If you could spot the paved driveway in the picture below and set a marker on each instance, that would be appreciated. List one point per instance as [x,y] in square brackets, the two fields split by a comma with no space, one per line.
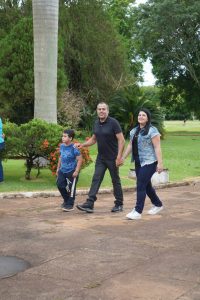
[79,256]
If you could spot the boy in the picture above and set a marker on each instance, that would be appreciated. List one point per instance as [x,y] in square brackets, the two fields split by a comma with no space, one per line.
[69,166]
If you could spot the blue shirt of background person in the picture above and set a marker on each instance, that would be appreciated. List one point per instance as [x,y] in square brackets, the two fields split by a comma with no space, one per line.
[146,150]
[68,154]
[1,132]
[1,147]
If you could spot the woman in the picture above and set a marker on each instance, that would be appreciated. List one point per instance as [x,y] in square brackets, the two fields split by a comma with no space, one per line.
[1,148]
[146,152]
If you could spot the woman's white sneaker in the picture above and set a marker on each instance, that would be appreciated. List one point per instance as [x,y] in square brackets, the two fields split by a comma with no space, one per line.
[155,210]
[133,215]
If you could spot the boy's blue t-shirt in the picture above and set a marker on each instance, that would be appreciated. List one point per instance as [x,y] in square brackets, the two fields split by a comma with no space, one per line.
[68,156]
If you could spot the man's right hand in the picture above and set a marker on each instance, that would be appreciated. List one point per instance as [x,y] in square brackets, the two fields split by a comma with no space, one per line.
[78,145]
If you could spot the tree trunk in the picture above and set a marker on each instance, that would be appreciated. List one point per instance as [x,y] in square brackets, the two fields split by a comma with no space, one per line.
[45,28]
[29,166]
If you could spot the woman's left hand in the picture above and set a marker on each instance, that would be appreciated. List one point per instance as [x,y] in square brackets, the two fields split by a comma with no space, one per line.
[119,162]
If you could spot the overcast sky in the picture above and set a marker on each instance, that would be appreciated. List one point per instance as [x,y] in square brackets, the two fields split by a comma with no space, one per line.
[148,77]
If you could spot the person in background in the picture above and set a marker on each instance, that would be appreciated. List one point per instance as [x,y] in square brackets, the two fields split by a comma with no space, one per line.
[68,168]
[146,152]
[110,141]
[2,145]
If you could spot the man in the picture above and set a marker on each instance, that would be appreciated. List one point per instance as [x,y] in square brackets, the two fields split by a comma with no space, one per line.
[110,141]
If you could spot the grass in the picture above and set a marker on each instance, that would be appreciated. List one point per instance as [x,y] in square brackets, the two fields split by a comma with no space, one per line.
[181,149]
[178,127]
[181,156]
[14,171]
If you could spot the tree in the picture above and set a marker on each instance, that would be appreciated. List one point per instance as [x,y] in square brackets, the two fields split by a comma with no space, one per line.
[122,15]
[95,56]
[10,14]
[16,73]
[151,93]
[174,104]
[167,31]
[45,25]
[125,105]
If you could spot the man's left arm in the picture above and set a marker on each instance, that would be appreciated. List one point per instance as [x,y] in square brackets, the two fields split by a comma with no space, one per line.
[121,144]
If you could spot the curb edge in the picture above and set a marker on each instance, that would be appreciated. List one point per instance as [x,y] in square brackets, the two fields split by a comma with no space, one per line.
[47,194]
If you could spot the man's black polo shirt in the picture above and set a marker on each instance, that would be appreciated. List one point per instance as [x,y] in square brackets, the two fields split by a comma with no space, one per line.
[107,142]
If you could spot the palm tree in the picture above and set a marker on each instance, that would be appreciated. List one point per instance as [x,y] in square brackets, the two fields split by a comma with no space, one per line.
[125,105]
[45,29]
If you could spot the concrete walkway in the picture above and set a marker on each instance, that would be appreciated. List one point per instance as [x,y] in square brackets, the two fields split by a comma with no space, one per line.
[103,256]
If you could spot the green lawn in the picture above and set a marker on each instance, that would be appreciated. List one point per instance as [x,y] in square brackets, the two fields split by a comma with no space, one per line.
[181,155]
[180,127]
[181,149]
[14,177]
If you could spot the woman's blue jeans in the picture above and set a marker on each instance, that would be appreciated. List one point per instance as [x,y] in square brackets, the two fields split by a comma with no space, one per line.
[144,186]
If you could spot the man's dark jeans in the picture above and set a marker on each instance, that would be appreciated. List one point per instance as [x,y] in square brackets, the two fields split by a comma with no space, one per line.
[144,186]
[66,184]
[100,168]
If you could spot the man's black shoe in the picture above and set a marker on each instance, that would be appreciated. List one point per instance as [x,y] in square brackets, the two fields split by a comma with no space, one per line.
[87,206]
[117,208]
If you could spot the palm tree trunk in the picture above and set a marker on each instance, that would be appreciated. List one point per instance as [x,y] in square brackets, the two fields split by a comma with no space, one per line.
[45,28]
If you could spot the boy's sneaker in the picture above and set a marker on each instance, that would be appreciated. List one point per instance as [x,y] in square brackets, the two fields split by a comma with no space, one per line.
[155,210]
[134,215]
[117,208]
[62,205]
[68,208]
[87,206]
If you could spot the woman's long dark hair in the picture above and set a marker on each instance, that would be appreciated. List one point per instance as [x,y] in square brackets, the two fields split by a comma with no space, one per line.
[148,124]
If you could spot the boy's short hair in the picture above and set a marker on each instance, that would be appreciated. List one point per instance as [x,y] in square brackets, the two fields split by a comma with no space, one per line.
[70,133]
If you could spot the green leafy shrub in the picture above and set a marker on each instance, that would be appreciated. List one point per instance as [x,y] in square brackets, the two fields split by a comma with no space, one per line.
[26,140]
[125,105]
[34,140]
